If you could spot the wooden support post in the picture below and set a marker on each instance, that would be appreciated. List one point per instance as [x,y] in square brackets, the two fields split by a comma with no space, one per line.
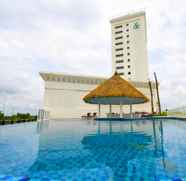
[121,110]
[110,108]
[99,110]
[110,111]
[131,111]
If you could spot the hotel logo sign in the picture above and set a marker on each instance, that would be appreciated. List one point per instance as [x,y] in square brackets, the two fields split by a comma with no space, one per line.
[136,25]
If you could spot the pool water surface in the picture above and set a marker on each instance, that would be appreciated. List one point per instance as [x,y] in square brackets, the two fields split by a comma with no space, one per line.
[79,150]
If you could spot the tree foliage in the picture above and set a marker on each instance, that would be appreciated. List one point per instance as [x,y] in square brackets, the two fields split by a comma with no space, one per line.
[17,117]
[1,115]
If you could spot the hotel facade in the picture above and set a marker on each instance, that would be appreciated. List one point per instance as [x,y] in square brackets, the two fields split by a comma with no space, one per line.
[129,47]
[63,95]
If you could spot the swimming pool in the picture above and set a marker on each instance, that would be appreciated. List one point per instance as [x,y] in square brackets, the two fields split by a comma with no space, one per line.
[76,150]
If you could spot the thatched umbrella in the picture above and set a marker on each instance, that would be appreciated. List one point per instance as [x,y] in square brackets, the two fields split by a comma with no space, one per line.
[115,91]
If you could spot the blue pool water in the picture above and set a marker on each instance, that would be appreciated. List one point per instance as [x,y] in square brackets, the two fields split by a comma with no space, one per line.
[75,150]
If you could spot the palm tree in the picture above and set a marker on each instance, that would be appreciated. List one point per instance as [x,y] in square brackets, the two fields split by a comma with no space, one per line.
[157,91]
[151,94]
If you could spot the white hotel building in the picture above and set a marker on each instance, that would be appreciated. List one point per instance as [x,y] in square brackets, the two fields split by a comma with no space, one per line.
[129,47]
[63,97]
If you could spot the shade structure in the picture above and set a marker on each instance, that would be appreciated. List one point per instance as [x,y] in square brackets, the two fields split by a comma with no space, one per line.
[115,91]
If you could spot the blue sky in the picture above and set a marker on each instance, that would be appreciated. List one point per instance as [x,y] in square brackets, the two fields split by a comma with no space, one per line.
[73,36]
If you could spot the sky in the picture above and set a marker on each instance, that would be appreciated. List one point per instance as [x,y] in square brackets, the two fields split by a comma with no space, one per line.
[74,37]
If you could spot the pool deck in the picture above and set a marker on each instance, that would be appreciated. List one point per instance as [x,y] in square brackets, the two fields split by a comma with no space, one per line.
[142,118]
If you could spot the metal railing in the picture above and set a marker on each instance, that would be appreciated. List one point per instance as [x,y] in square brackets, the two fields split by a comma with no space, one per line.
[180,111]
[43,115]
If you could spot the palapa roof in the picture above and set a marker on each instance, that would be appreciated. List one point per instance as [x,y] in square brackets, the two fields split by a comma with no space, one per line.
[115,91]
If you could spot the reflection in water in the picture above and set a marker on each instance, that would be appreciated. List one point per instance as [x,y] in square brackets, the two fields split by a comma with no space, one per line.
[122,147]
[41,125]
[94,150]
[19,146]
[99,127]
[110,127]
[162,146]
[155,136]
[131,125]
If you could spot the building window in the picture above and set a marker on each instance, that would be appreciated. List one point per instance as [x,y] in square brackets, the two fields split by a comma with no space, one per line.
[119,26]
[119,67]
[127,36]
[121,73]
[118,32]
[128,59]
[128,53]
[127,24]
[119,37]
[128,48]
[119,43]
[119,55]
[129,73]
[128,66]
[127,30]
[119,49]
[128,41]
[119,61]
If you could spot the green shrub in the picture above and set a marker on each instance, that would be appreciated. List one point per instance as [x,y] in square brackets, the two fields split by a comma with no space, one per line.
[1,115]
[162,114]
[16,118]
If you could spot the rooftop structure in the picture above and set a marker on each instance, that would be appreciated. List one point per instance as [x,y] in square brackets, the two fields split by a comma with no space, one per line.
[115,91]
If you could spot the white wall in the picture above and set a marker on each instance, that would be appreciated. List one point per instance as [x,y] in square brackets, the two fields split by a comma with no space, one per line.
[65,100]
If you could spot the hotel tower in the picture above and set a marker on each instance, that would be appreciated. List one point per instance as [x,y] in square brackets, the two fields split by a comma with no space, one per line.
[129,46]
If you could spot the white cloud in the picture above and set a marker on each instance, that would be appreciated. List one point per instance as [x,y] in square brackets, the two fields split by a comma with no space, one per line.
[74,37]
